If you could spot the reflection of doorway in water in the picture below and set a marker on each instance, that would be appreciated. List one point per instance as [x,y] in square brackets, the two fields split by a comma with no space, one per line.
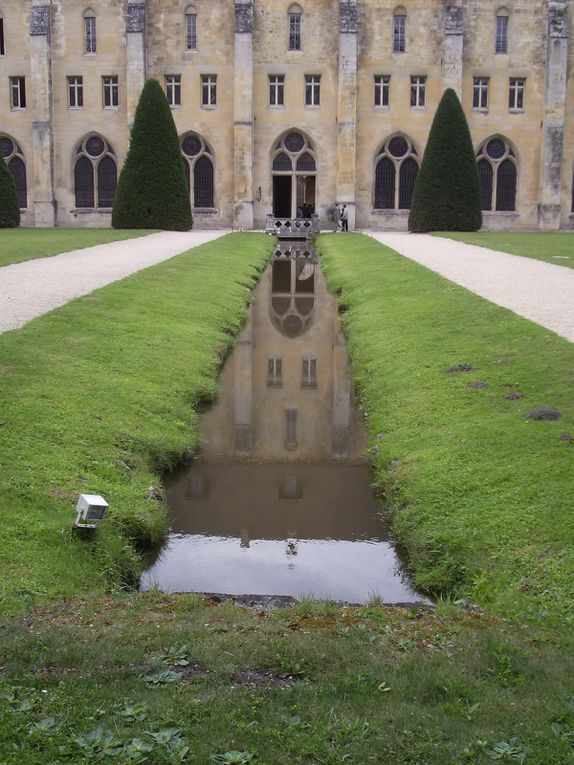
[294,170]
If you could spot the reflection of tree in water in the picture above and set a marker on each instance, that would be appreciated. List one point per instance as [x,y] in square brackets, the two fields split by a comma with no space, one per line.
[293,288]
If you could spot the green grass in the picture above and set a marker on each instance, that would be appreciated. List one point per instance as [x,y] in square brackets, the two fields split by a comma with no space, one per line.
[552,247]
[480,498]
[20,244]
[169,679]
[98,397]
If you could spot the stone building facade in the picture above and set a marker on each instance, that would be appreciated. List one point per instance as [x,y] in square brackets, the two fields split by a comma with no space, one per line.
[289,107]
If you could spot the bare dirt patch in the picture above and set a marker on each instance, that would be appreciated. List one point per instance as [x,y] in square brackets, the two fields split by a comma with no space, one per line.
[257,678]
[544,413]
[459,368]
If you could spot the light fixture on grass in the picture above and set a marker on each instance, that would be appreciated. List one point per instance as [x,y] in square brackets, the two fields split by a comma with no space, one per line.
[91,509]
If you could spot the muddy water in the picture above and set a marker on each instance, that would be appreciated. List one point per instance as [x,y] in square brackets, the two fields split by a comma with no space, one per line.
[280,501]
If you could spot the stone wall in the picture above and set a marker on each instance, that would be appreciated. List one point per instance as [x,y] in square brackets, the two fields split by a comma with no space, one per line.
[346,42]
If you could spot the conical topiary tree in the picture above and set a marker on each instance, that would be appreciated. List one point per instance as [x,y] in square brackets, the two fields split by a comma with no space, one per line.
[447,190]
[152,190]
[9,207]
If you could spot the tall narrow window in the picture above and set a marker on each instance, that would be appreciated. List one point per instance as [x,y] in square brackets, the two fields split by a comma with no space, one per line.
[110,91]
[498,172]
[14,159]
[208,89]
[173,89]
[396,171]
[294,31]
[274,372]
[309,373]
[399,32]
[382,89]
[418,90]
[276,89]
[191,31]
[480,93]
[95,174]
[312,89]
[18,92]
[516,94]
[198,164]
[75,92]
[89,33]
[2,48]
[501,45]
[291,428]
[572,210]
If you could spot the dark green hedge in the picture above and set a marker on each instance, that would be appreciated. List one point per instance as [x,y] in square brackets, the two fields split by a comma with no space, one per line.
[447,191]
[153,192]
[9,207]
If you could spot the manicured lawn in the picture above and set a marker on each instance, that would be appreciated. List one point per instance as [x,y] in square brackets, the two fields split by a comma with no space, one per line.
[175,679]
[480,497]
[553,247]
[98,397]
[20,244]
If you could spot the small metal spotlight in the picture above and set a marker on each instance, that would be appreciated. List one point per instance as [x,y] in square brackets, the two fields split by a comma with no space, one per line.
[91,509]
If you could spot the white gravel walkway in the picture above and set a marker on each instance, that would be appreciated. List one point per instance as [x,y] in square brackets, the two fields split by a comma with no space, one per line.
[539,291]
[35,287]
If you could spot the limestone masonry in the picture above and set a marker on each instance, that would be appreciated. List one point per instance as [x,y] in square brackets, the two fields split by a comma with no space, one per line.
[289,108]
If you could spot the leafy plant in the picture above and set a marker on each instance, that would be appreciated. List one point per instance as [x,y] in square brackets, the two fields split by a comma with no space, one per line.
[98,744]
[161,677]
[508,751]
[176,655]
[135,712]
[232,758]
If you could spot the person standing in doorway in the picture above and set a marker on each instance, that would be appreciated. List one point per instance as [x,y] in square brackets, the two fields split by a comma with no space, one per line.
[344,218]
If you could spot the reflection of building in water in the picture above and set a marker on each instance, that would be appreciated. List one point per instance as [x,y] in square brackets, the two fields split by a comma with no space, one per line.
[286,389]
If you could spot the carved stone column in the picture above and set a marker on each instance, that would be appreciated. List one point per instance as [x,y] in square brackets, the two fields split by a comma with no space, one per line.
[554,114]
[453,47]
[347,106]
[135,56]
[243,121]
[41,169]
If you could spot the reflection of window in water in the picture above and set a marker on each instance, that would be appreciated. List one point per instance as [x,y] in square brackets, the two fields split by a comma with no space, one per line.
[291,428]
[274,372]
[291,488]
[197,488]
[309,373]
[292,295]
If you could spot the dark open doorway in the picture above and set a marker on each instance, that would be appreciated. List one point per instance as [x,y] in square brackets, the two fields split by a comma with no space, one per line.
[282,196]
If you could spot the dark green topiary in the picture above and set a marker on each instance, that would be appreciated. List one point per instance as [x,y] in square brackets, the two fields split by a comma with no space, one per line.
[447,190]
[152,190]
[9,207]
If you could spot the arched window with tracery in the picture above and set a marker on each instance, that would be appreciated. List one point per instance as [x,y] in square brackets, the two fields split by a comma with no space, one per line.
[198,165]
[498,171]
[14,159]
[294,170]
[95,173]
[396,170]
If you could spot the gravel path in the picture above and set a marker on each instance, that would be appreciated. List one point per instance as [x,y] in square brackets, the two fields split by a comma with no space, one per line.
[35,287]
[539,291]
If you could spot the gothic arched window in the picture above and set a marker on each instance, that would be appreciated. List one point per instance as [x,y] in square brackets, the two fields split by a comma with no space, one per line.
[190,28]
[15,161]
[399,30]
[396,170]
[198,164]
[498,171]
[90,40]
[295,14]
[95,173]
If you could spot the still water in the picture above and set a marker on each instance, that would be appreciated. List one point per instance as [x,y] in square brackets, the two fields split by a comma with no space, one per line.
[280,502]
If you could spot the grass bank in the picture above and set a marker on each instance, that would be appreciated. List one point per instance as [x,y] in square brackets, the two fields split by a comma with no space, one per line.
[176,679]
[98,397]
[480,497]
[20,244]
[555,247]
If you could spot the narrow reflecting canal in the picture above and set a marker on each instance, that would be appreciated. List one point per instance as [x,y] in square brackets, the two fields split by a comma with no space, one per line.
[280,502]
